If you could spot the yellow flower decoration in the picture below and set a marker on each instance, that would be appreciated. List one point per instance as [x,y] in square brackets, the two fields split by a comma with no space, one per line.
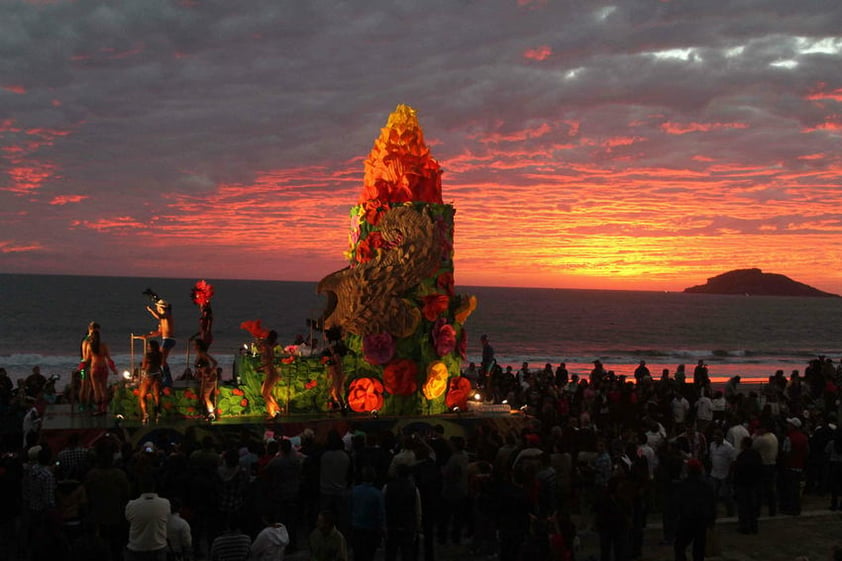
[436,383]
[466,306]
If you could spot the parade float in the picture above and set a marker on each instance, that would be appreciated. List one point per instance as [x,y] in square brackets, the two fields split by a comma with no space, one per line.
[393,330]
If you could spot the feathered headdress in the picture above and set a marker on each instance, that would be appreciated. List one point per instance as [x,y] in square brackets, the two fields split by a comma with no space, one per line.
[202,293]
[253,326]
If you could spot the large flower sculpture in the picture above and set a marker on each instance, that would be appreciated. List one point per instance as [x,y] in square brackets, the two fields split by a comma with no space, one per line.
[365,395]
[436,380]
[378,348]
[399,377]
[458,392]
[444,337]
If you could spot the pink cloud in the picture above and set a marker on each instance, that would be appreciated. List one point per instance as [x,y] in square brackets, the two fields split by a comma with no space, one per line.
[538,53]
[684,128]
[8,246]
[62,200]
[16,89]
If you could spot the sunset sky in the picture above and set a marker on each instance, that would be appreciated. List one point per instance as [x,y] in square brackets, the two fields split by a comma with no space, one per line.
[628,145]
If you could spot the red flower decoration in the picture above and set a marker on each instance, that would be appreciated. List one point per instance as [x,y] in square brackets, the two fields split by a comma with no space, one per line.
[190,395]
[191,410]
[435,305]
[310,385]
[373,210]
[445,282]
[237,391]
[202,293]
[367,248]
[253,326]
[244,402]
[135,391]
[378,348]
[288,359]
[166,391]
[458,392]
[399,377]
[444,337]
[168,405]
[365,395]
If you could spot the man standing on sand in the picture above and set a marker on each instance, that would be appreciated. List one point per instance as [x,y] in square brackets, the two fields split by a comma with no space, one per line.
[166,331]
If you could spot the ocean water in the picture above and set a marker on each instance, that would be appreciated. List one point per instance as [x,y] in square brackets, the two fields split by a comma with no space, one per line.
[43,318]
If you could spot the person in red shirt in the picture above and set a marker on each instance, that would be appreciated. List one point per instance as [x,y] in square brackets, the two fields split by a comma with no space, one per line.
[794,451]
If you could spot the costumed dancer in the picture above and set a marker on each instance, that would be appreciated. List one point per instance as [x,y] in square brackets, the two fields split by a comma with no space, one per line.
[270,374]
[162,312]
[332,358]
[201,295]
[85,387]
[100,362]
[204,368]
[150,379]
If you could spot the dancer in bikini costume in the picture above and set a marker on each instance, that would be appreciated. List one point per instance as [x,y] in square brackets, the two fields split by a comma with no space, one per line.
[85,386]
[162,312]
[100,362]
[201,295]
[204,368]
[150,379]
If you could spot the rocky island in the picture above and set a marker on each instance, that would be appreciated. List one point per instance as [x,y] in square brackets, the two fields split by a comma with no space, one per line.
[754,282]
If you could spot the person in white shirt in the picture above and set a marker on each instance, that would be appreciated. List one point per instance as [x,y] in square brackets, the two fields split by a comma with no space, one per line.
[704,411]
[736,433]
[680,407]
[722,456]
[271,542]
[148,516]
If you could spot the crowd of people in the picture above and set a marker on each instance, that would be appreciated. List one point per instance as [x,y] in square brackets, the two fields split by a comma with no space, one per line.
[593,454]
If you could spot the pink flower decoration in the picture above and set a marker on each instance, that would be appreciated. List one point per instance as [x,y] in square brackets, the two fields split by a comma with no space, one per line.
[378,348]
[444,337]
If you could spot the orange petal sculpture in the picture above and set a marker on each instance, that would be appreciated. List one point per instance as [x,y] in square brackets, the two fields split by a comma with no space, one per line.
[436,380]
[365,395]
[399,168]
[458,392]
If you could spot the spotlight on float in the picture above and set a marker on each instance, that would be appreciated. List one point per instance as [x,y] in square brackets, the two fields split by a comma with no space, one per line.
[127,375]
[523,408]
[375,413]
[477,396]
[505,402]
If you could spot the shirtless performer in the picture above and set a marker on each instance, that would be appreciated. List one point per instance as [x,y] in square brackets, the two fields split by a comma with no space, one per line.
[100,362]
[270,374]
[162,312]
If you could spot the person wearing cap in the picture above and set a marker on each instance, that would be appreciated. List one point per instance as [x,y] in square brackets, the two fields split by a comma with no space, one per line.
[794,451]
[696,512]
[166,331]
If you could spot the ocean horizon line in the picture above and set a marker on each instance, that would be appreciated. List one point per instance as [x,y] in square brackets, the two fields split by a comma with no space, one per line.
[458,286]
